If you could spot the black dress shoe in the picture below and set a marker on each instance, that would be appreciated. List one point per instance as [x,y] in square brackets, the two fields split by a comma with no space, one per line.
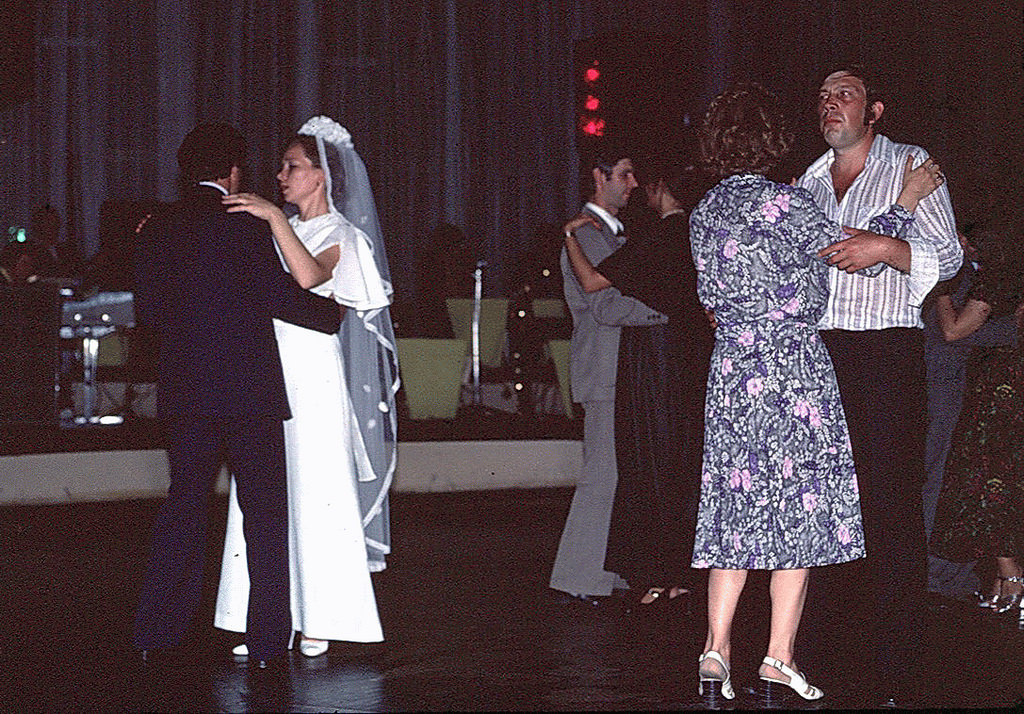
[577,600]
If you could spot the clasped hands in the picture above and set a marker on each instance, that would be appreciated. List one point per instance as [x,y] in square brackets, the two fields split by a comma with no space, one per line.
[864,248]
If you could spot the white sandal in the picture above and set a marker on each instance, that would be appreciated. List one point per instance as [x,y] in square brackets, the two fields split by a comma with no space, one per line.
[714,685]
[796,679]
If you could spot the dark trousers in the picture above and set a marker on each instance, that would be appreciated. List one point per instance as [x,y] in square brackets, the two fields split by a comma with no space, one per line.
[881,379]
[254,449]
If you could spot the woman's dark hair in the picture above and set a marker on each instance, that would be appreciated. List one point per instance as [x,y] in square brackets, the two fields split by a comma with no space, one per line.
[308,144]
[677,163]
[743,132]
[1001,252]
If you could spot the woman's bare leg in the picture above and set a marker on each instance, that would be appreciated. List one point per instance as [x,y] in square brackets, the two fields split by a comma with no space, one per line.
[724,589]
[788,592]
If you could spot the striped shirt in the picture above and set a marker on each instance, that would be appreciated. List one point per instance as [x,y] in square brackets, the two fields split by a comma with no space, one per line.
[893,298]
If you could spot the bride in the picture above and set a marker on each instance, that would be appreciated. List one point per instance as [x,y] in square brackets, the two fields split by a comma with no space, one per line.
[340,441]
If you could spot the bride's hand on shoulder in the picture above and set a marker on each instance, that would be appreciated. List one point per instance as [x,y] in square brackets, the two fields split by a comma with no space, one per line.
[252,203]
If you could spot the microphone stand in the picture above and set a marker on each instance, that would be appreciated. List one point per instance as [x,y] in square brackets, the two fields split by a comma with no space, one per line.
[477,297]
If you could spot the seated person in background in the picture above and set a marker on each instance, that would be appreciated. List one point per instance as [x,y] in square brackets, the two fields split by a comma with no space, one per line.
[444,270]
[58,260]
[21,263]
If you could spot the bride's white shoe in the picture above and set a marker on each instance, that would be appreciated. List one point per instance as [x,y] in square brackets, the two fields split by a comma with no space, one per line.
[313,648]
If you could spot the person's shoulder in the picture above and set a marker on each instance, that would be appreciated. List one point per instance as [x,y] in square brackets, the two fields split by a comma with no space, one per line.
[817,168]
[896,152]
[589,230]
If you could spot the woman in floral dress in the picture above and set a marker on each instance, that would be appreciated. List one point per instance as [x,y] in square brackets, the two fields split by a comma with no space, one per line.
[980,514]
[778,489]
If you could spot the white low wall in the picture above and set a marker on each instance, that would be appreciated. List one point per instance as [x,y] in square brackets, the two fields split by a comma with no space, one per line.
[422,466]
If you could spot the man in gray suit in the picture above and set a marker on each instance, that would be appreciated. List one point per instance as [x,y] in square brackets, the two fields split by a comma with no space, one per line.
[597,318]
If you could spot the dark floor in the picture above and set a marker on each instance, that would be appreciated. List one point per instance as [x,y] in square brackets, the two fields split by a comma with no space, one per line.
[468,620]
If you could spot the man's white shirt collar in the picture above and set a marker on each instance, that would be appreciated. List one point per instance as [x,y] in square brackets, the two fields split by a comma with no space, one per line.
[215,185]
[882,149]
[612,222]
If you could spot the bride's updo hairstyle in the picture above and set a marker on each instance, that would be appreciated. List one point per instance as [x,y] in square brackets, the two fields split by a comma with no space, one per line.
[744,132]
[334,165]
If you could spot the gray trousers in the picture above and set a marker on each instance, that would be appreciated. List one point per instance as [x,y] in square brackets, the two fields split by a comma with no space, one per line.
[579,565]
[945,397]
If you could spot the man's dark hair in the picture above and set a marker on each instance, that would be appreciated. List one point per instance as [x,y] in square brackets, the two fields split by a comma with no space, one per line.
[872,88]
[605,156]
[209,151]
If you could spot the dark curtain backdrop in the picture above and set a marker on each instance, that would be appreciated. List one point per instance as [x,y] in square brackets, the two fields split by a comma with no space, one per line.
[463,110]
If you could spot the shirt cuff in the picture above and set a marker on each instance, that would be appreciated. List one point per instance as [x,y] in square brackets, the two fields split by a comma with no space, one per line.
[924,270]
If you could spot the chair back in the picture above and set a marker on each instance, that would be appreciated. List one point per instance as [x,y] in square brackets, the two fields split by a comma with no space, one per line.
[431,371]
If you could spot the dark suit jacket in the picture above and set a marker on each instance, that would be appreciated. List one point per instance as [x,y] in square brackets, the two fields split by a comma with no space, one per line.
[208,283]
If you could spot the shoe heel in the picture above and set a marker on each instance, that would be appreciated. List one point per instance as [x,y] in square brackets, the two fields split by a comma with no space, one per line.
[710,691]
[773,695]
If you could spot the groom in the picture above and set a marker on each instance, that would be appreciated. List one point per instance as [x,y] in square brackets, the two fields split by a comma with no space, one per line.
[207,284]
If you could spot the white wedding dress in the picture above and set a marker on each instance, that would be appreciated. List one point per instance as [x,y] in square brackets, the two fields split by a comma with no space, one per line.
[332,595]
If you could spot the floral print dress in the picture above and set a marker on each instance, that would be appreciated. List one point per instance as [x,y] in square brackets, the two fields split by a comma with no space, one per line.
[778,488]
[981,507]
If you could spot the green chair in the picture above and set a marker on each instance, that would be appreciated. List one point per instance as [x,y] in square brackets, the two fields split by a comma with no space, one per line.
[558,351]
[431,371]
[493,319]
[548,308]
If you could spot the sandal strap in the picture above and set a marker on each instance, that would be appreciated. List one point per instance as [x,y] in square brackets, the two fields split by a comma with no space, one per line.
[796,679]
[714,657]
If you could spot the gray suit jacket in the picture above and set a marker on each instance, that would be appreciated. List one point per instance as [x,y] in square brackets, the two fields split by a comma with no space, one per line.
[597,318]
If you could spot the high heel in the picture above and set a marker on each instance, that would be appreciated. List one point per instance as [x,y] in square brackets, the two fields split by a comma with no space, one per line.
[770,685]
[711,687]
[1009,602]
[987,601]
[661,600]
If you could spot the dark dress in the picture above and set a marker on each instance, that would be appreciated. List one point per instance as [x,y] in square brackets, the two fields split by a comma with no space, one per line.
[981,506]
[659,408]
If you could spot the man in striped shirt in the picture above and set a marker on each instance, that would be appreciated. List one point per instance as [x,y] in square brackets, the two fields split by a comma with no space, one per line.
[872,327]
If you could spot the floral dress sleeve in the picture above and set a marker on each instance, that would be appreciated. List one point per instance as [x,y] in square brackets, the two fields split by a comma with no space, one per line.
[894,222]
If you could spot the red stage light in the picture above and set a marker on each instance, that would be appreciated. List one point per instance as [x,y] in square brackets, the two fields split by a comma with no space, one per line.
[591,75]
[594,127]
[591,103]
